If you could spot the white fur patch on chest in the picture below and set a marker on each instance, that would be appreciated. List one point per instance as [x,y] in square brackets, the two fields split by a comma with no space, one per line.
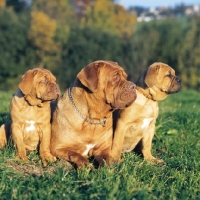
[146,122]
[88,147]
[31,126]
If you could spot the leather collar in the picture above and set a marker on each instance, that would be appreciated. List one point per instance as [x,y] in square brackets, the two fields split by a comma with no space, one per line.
[144,92]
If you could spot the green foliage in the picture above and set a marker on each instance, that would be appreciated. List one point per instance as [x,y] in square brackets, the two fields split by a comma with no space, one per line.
[12,31]
[157,41]
[64,38]
[14,50]
[176,141]
[5,98]
[84,46]
[59,10]
[189,57]
[111,17]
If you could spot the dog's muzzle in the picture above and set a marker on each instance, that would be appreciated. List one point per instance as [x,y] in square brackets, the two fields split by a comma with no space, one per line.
[175,86]
[127,96]
[130,93]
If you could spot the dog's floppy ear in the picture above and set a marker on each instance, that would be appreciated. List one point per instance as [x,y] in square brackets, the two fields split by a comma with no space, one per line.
[141,80]
[27,82]
[151,73]
[89,75]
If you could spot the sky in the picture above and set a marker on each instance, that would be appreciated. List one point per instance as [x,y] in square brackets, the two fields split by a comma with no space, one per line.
[155,3]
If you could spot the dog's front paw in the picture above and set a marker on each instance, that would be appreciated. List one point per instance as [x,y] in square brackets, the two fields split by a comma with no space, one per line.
[48,159]
[154,160]
[22,157]
[114,161]
[2,143]
[158,161]
[102,160]
[79,161]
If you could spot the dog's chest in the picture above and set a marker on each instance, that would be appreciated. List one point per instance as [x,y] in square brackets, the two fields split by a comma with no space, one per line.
[32,119]
[30,125]
[88,147]
[143,121]
[31,131]
[146,122]
[148,115]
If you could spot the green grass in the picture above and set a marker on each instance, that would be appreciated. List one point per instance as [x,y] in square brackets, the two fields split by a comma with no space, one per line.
[177,141]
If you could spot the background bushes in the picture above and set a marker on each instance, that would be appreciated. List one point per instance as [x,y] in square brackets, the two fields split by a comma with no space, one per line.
[64,39]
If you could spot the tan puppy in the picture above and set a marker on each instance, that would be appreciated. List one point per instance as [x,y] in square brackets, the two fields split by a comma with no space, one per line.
[135,125]
[82,121]
[30,114]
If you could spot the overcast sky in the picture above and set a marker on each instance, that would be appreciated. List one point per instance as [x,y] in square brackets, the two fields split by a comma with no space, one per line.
[155,3]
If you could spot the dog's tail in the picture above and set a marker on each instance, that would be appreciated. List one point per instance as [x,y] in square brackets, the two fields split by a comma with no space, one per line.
[4,134]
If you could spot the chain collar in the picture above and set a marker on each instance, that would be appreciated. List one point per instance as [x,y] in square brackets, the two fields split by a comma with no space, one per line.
[101,122]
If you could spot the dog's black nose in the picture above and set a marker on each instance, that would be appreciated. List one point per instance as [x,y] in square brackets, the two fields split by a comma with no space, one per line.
[131,86]
[178,79]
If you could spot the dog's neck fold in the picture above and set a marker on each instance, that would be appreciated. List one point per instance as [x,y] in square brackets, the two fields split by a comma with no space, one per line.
[96,114]
[32,100]
[152,93]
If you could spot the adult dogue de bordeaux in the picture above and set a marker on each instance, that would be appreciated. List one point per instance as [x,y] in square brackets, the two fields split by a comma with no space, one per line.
[82,120]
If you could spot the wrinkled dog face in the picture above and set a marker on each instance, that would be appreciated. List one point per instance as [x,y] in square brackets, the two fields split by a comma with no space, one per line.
[47,89]
[41,84]
[117,91]
[163,77]
[120,93]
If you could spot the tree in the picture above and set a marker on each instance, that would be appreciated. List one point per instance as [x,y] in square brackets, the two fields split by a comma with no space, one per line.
[189,57]
[104,14]
[59,10]
[18,5]
[41,35]
[170,39]
[49,29]
[13,48]
[2,3]
[84,46]
[138,50]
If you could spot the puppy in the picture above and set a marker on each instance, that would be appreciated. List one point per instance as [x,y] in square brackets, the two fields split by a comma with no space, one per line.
[82,120]
[135,125]
[30,114]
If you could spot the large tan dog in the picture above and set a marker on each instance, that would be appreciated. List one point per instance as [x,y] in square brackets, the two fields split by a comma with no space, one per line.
[135,125]
[30,114]
[82,121]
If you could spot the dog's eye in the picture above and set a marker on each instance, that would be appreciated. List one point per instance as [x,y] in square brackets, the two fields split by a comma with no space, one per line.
[44,81]
[169,74]
[115,79]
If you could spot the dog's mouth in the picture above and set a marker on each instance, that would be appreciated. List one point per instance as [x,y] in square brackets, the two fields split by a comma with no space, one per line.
[125,98]
[113,108]
[52,93]
[50,97]
[175,85]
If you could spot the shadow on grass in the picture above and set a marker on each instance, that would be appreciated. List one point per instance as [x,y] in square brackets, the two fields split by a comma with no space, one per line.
[36,169]
[4,118]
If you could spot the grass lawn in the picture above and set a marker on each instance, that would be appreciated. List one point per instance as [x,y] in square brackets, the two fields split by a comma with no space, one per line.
[177,142]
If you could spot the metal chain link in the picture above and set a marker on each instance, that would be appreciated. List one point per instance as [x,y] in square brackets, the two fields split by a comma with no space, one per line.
[101,122]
